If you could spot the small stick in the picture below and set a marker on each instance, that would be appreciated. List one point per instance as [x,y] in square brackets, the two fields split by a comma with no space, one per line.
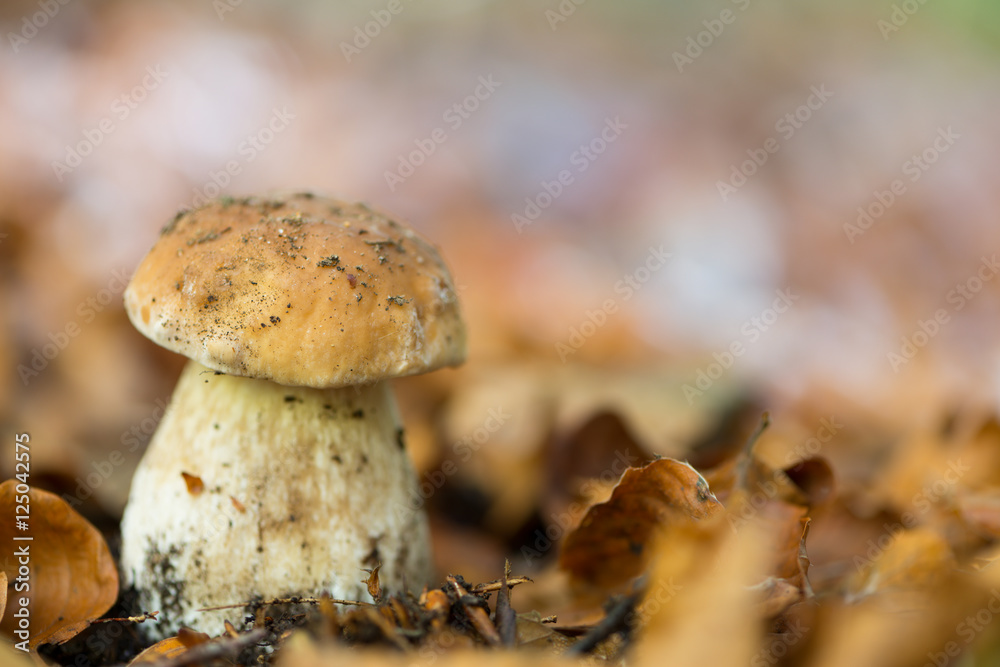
[265,603]
[497,585]
[506,619]
[477,615]
[615,621]
[146,616]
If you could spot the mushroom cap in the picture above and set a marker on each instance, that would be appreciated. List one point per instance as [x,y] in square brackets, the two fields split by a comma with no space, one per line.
[301,290]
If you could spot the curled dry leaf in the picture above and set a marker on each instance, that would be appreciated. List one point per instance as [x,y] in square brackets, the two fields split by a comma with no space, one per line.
[372,583]
[814,477]
[610,547]
[74,579]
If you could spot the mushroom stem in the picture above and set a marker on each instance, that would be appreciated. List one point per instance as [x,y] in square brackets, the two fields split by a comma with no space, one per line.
[286,491]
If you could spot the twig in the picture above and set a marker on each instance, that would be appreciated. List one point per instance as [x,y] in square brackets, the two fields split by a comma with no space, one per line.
[480,620]
[506,619]
[479,589]
[615,621]
[265,603]
[146,616]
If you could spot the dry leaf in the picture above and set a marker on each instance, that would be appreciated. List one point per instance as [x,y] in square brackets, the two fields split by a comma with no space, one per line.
[911,559]
[74,579]
[776,596]
[168,648]
[189,638]
[592,451]
[372,583]
[815,479]
[3,593]
[610,547]
[533,634]
[699,608]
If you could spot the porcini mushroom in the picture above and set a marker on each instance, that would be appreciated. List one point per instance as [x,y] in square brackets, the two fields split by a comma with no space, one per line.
[279,468]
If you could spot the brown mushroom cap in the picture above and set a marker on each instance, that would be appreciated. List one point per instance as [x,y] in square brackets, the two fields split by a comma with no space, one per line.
[301,290]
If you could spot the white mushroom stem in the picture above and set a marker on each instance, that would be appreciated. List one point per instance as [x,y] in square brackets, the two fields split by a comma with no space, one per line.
[303,489]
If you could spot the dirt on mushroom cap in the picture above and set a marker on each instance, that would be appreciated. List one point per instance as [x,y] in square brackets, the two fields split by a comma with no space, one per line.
[301,290]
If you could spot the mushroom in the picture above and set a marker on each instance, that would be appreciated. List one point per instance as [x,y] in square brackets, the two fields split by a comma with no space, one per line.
[279,468]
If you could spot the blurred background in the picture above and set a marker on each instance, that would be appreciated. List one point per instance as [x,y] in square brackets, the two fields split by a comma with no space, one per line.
[663,218]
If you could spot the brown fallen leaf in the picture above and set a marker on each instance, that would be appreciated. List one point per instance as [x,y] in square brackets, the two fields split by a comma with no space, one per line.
[3,593]
[73,577]
[533,634]
[168,648]
[911,560]
[189,638]
[776,596]
[373,584]
[699,607]
[590,452]
[195,648]
[610,547]
[814,477]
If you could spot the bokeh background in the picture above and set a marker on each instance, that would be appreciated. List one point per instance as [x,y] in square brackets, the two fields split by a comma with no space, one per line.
[114,115]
